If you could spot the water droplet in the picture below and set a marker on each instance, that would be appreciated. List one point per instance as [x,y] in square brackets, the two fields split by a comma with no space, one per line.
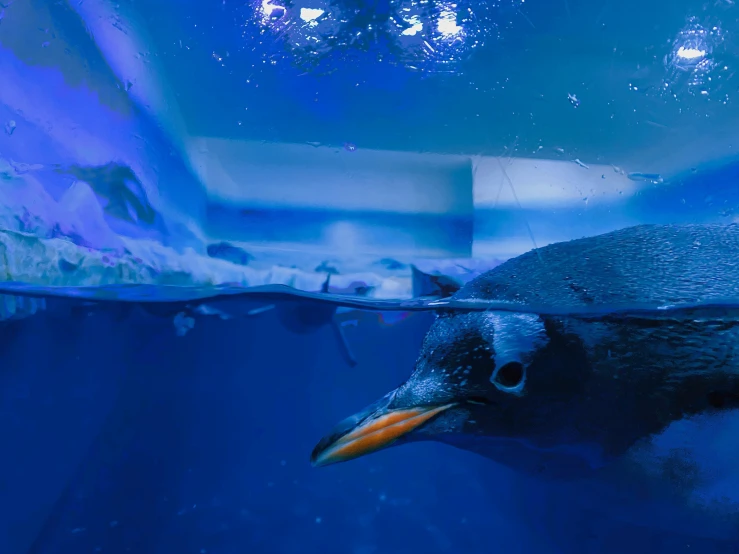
[654,178]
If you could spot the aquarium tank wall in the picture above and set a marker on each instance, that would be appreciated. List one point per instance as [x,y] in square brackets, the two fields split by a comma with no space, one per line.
[483,253]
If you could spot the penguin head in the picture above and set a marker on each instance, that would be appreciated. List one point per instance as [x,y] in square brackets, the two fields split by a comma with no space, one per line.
[477,374]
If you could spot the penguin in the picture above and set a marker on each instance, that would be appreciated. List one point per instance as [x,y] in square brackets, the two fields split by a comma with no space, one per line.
[307,316]
[566,396]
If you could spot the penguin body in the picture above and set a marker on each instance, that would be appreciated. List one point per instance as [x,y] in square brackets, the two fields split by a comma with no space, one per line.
[563,396]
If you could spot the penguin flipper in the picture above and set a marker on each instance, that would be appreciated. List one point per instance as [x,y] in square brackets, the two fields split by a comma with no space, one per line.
[346,350]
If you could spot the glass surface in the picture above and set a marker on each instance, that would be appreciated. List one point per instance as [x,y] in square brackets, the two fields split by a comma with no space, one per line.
[230,224]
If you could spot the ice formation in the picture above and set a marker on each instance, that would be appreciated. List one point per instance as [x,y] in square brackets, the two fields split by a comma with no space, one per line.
[70,243]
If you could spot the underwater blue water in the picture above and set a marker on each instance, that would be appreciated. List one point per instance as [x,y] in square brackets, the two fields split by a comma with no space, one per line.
[123,436]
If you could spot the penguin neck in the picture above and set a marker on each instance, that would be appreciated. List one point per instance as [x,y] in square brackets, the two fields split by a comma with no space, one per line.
[557,462]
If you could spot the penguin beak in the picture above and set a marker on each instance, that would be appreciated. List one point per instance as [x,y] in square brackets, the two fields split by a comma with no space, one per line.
[373,429]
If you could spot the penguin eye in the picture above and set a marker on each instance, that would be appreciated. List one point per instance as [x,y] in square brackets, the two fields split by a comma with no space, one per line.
[510,375]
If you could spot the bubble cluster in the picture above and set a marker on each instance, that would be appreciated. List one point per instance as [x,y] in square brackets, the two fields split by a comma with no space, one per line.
[419,34]
[694,61]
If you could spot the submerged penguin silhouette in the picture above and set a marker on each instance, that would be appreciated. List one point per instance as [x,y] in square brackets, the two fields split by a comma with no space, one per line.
[306,317]
[563,396]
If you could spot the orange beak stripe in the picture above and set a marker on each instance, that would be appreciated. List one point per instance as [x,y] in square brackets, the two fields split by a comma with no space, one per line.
[376,434]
